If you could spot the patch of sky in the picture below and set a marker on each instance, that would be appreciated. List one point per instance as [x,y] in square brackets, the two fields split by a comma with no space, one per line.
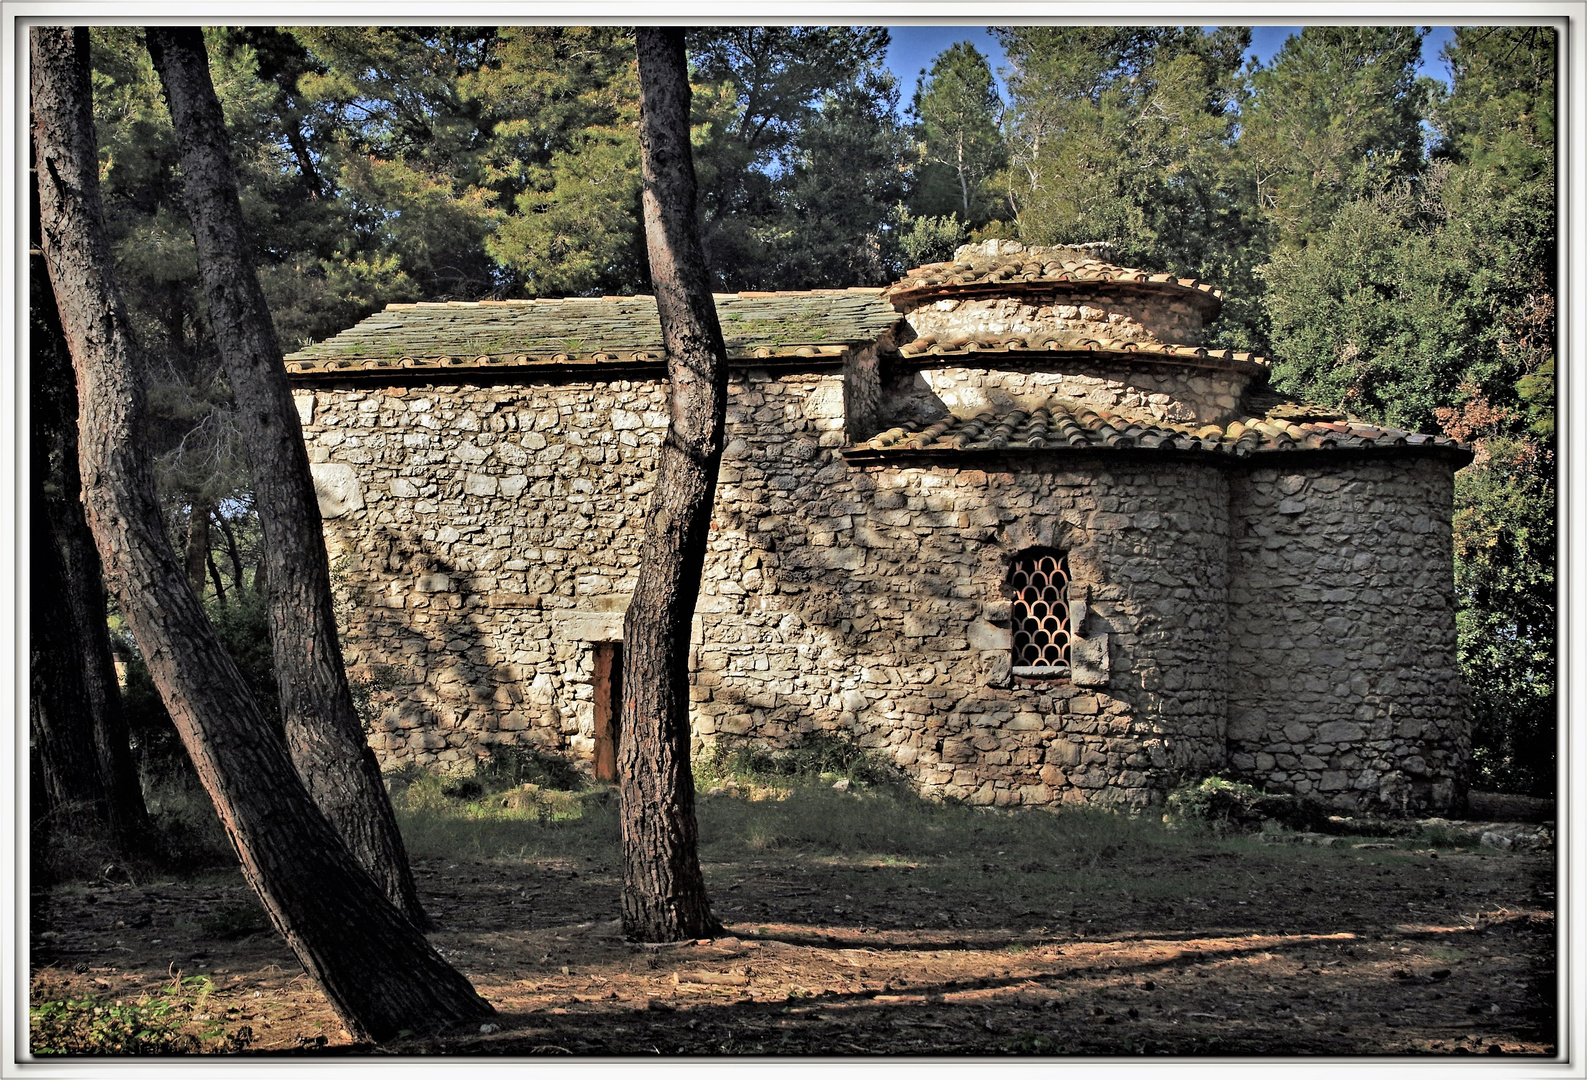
[912,49]
[1266,41]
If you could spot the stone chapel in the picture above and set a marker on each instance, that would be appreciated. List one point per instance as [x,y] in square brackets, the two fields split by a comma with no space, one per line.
[1009,522]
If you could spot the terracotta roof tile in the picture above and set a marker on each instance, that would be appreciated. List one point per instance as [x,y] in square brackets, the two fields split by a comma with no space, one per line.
[1038,267]
[967,345]
[1064,422]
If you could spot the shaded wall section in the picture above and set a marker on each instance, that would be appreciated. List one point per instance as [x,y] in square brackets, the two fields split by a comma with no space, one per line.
[1343,680]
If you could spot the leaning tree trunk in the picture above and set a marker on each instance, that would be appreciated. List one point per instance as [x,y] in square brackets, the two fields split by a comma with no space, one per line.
[663,890]
[370,960]
[74,674]
[323,730]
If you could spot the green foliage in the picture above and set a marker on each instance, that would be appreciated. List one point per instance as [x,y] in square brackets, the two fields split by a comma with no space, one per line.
[365,692]
[1229,805]
[837,211]
[1128,134]
[958,111]
[798,154]
[1501,114]
[513,766]
[520,823]
[1370,316]
[512,786]
[169,778]
[188,832]
[150,1024]
[567,152]
[244,628]
[818,757]
[928,239]
[1505,553]
[1335,118]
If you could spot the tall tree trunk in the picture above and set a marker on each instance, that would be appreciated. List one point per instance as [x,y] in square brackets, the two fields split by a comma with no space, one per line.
[214,577]
[58,710]
[370,960]
[232,553]
[196,554]
[70,641]
[664,895]
[323,731]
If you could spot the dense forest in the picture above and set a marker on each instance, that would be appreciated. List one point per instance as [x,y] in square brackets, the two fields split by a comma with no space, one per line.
[1388,240]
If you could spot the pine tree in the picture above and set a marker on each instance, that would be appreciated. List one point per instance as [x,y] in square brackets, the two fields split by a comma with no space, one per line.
[373,964]
[664,896]
[1336,117]
[958,112]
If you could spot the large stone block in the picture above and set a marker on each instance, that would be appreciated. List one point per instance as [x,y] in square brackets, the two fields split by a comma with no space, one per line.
[337,488]
[1089,661]
[1340,731]
[985,637]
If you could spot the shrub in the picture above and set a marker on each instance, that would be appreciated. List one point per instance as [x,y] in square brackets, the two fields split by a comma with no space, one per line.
[513,766]
[817,757]
[1225,805]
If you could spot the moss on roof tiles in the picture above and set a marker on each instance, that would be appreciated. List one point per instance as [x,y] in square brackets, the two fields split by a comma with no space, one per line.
[613,325]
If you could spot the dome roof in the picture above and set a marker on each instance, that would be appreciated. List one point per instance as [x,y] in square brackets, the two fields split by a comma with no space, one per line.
[1007,267]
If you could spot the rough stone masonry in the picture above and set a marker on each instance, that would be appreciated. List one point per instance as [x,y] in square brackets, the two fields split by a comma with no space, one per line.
[1256,587]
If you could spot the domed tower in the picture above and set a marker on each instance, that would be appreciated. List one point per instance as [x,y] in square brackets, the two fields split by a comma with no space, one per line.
[1180,571]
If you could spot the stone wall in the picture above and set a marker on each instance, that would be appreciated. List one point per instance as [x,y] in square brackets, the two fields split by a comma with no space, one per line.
[1108,311]
[1343,677]
[487,536]
[874,601]
[1173,394]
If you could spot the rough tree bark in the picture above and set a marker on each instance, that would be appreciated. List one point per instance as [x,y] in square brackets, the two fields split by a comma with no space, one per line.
[664,895]
[370,960]
[75,715]
[323,730]
[196,553]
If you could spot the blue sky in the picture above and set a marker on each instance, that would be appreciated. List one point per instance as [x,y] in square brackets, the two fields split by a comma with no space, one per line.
[915,47]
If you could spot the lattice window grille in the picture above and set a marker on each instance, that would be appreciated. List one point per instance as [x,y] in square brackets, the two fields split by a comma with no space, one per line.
[1041,615]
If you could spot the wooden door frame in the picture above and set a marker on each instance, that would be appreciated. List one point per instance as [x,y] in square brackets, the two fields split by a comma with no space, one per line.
[608,680]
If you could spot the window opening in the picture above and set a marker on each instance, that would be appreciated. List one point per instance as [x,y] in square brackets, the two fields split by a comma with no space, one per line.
[1040,581]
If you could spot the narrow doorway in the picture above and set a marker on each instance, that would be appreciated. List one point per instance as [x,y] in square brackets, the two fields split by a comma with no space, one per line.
[608,707]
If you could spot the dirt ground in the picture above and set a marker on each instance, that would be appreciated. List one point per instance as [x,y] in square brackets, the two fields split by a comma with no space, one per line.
[1374,949]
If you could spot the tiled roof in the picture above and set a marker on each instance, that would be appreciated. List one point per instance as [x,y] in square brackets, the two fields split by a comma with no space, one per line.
[507,334]
[1039,267]
[965,345]
[1063,423]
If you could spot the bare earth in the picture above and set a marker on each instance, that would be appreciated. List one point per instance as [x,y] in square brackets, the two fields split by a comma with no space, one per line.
[1385,951]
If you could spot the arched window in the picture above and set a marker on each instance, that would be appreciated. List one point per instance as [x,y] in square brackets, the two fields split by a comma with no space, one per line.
[1039,581]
